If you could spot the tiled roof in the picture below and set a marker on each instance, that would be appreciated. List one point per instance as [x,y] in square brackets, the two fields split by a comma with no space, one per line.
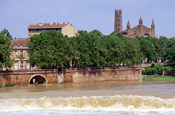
[18,42]
[47,26]
[136,28]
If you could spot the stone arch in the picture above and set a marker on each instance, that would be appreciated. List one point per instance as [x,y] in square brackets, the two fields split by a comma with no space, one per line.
[38,75]
[146,34]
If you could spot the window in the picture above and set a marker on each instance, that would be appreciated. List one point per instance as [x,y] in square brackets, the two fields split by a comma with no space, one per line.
[40,30]
[21,45]
[134,32]
[27,56]
[58,29]
[21,63]
[33,30]
[16,54]
[22,52]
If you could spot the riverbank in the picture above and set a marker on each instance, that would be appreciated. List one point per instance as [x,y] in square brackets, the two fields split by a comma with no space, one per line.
[158,78]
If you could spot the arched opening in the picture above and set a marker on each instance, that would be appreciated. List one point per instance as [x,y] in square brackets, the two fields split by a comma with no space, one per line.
[38,79]
[145,35]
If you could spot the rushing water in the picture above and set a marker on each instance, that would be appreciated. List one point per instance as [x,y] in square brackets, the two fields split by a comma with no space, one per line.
[121,98]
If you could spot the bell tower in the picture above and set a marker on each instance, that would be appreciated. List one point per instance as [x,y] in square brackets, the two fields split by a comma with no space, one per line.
[118,20]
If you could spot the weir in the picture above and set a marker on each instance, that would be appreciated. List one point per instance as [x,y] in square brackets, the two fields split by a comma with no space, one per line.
[81,75]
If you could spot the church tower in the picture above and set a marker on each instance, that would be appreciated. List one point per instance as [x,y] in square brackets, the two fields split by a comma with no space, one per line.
[118,21]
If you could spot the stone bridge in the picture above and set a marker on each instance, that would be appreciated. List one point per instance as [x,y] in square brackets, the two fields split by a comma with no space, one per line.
[83,75]
[31,77]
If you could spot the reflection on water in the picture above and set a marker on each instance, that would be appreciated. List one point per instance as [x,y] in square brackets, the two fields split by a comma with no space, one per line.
[91,98]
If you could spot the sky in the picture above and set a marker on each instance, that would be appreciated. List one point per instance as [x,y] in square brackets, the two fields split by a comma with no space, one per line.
[16,15]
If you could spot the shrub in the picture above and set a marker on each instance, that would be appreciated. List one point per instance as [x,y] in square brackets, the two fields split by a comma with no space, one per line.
[0,85]
[149,71]
[159,67]
[167,68]
[8,84]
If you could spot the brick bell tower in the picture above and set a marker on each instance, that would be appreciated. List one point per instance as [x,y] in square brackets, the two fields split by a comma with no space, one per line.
[118,21]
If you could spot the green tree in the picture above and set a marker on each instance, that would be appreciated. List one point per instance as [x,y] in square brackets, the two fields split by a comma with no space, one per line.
[21,57]
[147,48]
[6,33]
[49,49]
[132,54]
[164,46]
[171,54]
[5,51]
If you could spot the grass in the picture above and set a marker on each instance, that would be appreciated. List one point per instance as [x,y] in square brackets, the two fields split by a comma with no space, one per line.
[8,84]
[158,78]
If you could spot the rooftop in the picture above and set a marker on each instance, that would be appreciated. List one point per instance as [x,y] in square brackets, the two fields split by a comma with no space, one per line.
[47,26]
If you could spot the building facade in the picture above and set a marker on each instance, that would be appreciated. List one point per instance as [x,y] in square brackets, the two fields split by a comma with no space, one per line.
[139,30]
[65,29]
[20,48]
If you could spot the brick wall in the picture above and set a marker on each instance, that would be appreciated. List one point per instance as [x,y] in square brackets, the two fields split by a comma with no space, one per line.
[101,75]
[72,75]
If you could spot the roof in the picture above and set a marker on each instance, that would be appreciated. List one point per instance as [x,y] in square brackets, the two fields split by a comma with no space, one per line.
[136,28]
[47,26]
[20,41]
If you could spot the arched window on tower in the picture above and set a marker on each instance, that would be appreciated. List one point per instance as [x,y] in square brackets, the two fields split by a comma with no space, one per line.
[134,32]
[118,29]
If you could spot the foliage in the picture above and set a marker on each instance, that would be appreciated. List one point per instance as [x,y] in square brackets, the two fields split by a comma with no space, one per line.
[8,84]
[171,54]
[159,67]
[21,57]
[6,33]
[147,48]
[0,85]
[51,49]
[167,68]
[5,51]
[149,71]
[153,64]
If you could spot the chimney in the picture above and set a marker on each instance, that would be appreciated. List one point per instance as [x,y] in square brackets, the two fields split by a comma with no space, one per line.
[54,23]
[57,23]
[63,22]
[48,24]
[44,23]
[41,24]
[68,23]
[71,24]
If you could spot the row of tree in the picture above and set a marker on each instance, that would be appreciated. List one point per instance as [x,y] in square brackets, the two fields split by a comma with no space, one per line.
[53,49]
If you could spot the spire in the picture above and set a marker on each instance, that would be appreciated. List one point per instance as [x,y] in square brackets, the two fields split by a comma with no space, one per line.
[140,21]
[128,25]
[152,25]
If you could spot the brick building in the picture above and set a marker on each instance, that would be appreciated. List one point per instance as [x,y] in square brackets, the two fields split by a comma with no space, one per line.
[139,30]
[65,29]
[20,48]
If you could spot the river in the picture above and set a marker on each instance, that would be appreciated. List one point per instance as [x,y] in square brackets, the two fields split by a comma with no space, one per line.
[110,98]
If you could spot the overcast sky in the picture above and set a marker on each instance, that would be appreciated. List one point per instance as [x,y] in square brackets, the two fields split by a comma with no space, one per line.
[16,15]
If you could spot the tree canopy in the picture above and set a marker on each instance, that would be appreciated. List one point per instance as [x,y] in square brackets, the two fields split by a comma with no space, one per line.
[6,33]
[93,49]
[5,51]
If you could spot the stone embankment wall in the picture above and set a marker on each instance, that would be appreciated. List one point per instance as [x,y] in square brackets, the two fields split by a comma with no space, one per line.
[101,75]
[86,75]
[171,73]
[24,76]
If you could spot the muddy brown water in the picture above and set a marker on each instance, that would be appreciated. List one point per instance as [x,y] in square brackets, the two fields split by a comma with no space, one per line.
[90,98]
